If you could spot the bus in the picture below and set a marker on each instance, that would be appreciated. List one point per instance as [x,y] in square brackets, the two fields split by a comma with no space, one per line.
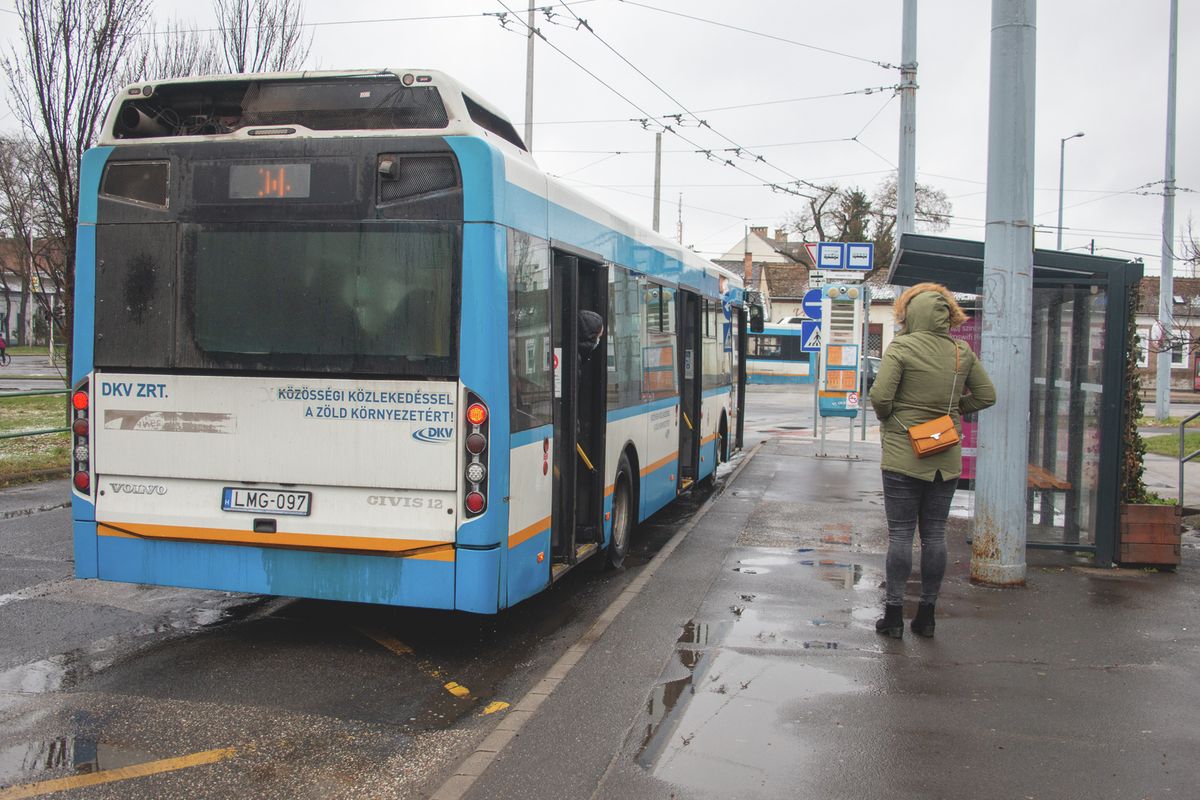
[776,356]
[327,345]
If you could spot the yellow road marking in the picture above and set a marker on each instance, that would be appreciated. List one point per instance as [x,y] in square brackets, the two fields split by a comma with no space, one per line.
[389,642]
[121,774]
[494,706]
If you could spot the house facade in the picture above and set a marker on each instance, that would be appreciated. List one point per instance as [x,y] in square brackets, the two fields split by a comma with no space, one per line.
[1183,335]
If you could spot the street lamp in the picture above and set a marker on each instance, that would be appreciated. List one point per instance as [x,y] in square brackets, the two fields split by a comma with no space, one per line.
[1062,150]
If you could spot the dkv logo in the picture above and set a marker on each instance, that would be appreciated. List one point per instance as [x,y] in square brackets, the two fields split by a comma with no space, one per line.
[433,435]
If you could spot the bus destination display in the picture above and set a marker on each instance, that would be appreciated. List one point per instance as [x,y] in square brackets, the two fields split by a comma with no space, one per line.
[263,181]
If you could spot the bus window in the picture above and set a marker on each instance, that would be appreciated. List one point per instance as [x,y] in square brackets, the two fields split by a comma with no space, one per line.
[659,376]
[529,331]
[624,340]
[714,359]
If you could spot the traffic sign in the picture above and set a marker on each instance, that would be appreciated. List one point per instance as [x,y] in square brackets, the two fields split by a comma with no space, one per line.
[831,255]
[811,247]
[860,255]
[810,335]
[812,304]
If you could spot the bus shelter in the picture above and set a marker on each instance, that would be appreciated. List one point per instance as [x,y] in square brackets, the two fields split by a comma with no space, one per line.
[1080,335]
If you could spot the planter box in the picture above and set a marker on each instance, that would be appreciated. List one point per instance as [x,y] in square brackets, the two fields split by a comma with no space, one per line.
[1149,535]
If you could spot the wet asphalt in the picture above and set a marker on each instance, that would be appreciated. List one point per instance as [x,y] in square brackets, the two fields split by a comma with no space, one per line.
[748,667]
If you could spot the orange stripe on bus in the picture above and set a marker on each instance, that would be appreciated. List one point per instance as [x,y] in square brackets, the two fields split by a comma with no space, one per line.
[430,550]
[608,490]
[709,438]
[662,462]
[528,532]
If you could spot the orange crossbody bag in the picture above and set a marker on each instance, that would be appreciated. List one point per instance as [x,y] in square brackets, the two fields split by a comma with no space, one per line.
[937,434]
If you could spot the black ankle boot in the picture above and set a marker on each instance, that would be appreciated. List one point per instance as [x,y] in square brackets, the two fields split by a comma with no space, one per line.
[923,624]
[892,622]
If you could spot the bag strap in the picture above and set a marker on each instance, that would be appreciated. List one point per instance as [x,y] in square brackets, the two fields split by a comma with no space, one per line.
[954,385]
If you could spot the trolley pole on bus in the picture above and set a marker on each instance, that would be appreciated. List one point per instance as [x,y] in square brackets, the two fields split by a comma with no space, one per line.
[998,545]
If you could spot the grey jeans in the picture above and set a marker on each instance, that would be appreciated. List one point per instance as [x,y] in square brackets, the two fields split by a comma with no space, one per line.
[912,503]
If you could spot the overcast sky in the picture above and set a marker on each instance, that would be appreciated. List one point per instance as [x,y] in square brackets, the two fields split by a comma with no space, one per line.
[1102,67]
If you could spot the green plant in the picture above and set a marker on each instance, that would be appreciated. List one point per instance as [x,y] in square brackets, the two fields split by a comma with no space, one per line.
[1133,449]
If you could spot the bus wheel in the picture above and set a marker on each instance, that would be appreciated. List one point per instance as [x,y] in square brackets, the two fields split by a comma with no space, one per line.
[622,514]
[723,442]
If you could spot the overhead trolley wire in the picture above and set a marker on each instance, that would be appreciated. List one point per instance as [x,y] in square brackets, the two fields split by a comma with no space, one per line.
[771,36]
[737,150]
[331,23]
[865,91]
[648,116]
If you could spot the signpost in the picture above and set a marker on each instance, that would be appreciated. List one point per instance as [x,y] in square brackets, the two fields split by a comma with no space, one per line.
[841,342]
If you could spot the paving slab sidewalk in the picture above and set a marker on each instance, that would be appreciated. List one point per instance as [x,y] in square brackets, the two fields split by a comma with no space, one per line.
[749,668]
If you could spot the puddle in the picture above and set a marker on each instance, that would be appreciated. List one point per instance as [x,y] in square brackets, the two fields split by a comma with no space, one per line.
[729,721]
[766,561]
[751,570]
[64,755]
[820,645]
[845,575]
[703,632]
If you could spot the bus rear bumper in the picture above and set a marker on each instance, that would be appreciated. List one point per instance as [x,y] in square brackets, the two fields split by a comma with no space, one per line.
[414,581]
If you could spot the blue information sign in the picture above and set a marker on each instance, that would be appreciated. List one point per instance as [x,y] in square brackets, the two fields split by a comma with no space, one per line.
[812,304]
[810,335]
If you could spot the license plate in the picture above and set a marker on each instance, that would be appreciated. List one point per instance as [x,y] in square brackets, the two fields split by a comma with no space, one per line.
[266,501]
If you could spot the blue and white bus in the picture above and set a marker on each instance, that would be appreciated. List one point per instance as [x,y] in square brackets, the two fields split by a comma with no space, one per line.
[776,355]
[327,345]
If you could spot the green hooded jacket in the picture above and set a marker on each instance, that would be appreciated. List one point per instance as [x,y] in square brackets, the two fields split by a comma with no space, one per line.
[917,383]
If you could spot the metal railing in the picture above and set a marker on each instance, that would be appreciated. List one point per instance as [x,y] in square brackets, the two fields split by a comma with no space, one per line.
[43,431]
[1182,458]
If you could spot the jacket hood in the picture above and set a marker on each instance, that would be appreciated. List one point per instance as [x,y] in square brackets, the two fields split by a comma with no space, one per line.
[928,311]
[935,316]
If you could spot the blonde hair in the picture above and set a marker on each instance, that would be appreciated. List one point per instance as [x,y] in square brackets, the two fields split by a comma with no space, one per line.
[957,315]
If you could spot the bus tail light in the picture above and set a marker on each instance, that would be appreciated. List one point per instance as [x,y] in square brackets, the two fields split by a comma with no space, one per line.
[80,451]
[476,444]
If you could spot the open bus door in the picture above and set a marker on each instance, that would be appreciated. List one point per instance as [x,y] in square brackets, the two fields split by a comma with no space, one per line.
[689,388]
[580,405]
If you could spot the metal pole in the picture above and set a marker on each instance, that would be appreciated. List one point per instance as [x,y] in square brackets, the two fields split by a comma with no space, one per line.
[1062,150]
[657,177]
[1166,288]
[998,545]
[529,84]
[906,177]
[862,375]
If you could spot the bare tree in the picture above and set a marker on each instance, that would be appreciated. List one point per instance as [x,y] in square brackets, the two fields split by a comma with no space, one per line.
[262,35]
[61,74]
[816,223]
[174,51]
[23,219]
[840,214]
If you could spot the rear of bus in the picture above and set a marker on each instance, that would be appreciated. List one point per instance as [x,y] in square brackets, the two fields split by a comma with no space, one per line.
[286,382]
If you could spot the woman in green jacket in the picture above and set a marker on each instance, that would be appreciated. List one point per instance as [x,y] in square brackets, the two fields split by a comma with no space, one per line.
[924,375]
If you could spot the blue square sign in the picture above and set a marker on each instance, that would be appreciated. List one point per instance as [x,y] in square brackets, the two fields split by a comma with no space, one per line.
[860,255]
[810,335]
[831,255]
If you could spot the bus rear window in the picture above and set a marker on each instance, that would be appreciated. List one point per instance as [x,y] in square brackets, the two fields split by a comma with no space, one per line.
[368,298]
